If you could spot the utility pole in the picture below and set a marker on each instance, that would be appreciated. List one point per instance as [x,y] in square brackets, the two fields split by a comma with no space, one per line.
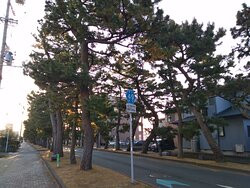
[7,141]
[6,21]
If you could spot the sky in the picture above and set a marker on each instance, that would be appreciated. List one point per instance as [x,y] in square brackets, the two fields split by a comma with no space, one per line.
[15,86]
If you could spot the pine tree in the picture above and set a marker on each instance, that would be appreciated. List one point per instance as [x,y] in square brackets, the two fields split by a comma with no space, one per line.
[188,50]
[91,23]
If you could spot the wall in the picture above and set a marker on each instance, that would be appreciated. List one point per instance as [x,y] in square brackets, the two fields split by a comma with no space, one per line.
[221,104]
[247,138]
[234,134]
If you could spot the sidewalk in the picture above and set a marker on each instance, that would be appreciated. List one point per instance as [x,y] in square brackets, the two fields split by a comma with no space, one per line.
[245,168]
[25,169]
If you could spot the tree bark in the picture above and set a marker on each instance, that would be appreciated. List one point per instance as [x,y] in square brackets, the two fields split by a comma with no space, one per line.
[53,123]
[214,147]
[134,127]
[73,139]
[73,143]
[117,144]
[180,137]
[59,133]
[86,161]
[172,78]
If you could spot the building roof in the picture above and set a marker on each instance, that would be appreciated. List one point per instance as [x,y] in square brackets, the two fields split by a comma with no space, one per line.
[186,119]
[231,111]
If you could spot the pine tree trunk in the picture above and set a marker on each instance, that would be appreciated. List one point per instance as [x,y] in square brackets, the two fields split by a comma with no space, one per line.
[106,144]
[214,147]
[172,78]
[73,139]
[53,123]
[154,114]
[117,138]
[73,143]
[180,137]
[117,144]
[148,140]
[180,143]
[59,133]
[134,127]
[86,161]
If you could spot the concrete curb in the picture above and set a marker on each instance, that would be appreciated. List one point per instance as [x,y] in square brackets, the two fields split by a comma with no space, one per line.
[52,172]
[179,161]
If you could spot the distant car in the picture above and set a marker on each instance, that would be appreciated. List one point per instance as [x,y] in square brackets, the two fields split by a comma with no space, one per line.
[122,143]
[112,143]
[165,144]
[138,145]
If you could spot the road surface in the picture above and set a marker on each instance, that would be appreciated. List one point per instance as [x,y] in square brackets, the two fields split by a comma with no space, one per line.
[153,172]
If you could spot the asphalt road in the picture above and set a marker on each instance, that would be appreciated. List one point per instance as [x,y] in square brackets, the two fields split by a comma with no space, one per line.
[149,170]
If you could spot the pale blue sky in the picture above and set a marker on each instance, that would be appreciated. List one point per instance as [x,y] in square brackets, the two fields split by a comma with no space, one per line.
[15,86]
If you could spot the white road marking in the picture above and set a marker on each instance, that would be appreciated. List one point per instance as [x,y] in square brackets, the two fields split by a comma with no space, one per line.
[224,186]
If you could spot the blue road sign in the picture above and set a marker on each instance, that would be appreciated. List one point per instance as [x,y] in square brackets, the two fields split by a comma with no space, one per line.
[130,96]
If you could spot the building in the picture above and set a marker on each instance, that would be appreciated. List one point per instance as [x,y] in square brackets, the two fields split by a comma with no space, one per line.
[235,136]
[124,135]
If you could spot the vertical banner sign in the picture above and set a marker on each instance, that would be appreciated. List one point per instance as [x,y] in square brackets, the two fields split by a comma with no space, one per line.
[131,108]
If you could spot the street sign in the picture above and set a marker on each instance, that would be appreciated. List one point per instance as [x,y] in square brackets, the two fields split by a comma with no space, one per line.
[130,96]
[131,108]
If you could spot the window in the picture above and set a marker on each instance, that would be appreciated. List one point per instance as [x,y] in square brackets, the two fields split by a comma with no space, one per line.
[248,130]
[204,112]
[221,131]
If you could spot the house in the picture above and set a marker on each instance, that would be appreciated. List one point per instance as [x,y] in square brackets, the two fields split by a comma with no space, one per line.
[233,137]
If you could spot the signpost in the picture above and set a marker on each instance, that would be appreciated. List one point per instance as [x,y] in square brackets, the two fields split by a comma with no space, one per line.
[131,108]
[57,160]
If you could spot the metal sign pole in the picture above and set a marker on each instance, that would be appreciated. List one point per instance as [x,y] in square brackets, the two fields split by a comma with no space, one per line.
[131,149]
[131,108]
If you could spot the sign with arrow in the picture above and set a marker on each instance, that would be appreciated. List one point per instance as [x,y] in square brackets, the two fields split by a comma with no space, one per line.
[169,183]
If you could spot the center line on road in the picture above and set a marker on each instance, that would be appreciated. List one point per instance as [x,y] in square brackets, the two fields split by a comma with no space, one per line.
[224,186]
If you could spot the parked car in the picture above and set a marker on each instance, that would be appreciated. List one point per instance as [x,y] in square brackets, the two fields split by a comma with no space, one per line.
[165,144]
[112,143]
[138,145]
